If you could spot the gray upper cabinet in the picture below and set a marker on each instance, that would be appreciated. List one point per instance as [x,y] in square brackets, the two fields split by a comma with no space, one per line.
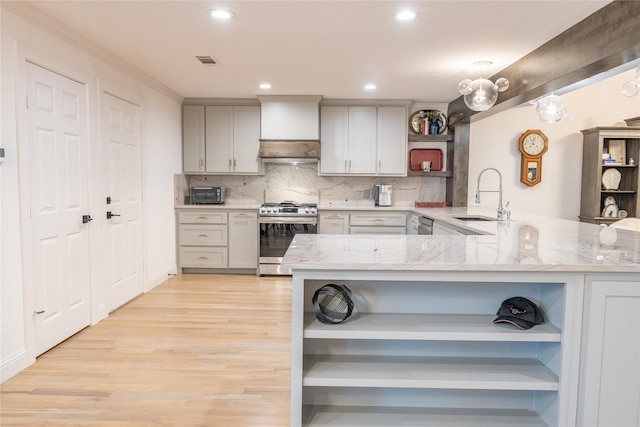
[193,138]
[363,140]
[334,137]
[221,139]
[392,141]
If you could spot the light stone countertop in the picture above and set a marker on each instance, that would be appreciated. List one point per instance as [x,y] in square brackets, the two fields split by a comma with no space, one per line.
[234,206]
[525,243]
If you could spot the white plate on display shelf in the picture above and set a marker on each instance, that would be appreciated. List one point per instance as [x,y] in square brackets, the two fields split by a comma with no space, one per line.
[611,179]
[610,211]
[609,200]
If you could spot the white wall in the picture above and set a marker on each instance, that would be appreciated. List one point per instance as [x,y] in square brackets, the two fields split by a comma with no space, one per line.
[494,143]
[162,157]
[57,49]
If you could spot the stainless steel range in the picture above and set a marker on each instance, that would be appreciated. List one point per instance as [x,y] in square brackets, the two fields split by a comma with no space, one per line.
[279,223]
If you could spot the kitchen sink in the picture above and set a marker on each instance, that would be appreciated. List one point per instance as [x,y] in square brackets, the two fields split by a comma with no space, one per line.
[474,218]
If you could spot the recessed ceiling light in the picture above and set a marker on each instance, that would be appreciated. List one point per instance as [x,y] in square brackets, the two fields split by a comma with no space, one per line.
[370,86]
[221,13]
[405,15]
[265,86]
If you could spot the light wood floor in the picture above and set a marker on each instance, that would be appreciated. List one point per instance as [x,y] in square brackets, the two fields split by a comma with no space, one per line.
[198,350]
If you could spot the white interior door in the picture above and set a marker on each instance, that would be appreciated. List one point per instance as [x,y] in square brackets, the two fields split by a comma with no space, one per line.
[57,141]
[123,199]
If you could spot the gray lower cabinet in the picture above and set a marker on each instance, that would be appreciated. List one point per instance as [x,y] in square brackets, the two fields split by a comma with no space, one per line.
[370,222]
[202,239]
[610,366]
[243,239]
[442,229]
[333,222]
[217,239]
[362,222]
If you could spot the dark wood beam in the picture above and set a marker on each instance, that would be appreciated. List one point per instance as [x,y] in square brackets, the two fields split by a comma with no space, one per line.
[604,40]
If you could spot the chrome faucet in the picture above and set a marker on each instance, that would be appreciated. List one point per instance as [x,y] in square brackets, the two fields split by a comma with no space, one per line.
[502,211]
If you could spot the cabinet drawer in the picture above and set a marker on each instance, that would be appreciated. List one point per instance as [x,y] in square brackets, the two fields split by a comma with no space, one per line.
[202,217]
[203,235]
[379,220]
[198,257]
[377,230]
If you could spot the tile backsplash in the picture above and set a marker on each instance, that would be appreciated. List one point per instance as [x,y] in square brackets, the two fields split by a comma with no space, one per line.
[301,183]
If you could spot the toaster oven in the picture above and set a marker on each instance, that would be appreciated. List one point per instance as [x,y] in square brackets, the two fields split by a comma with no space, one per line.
[208,195]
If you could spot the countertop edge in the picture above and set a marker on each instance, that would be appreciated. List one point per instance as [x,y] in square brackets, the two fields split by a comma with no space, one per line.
[253,207]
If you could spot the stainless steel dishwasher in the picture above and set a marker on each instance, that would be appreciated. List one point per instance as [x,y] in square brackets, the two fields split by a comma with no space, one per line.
[425,226]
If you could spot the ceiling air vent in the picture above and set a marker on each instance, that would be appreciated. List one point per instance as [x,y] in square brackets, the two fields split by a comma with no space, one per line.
[207,60]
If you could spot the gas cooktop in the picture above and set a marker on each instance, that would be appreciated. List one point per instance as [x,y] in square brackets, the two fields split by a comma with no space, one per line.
[289,208]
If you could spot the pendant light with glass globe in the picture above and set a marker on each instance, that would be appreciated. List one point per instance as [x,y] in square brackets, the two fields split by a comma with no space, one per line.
[481,94]
[550,108]
[632,87]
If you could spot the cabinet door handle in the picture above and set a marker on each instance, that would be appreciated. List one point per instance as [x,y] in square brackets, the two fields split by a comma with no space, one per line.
[234,164]
[379,165]
[230,166]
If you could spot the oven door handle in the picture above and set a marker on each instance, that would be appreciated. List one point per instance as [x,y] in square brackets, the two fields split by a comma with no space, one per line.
[288,220]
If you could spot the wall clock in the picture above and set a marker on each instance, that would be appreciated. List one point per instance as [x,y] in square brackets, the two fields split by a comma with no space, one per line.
[532,145]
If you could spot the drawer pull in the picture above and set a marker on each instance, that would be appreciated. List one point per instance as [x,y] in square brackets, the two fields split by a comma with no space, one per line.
[203,257]
[203,235]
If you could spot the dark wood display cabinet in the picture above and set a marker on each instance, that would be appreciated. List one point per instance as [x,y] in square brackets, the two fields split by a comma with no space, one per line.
[610,174]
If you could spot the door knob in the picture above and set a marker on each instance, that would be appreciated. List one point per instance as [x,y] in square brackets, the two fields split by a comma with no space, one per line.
[86,219]
[109,215]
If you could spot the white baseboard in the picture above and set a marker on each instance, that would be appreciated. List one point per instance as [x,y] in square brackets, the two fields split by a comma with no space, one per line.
[160,278]
[99,314]
[15,364]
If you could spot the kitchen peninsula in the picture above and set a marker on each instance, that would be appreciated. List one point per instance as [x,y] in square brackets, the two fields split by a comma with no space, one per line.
[421,347]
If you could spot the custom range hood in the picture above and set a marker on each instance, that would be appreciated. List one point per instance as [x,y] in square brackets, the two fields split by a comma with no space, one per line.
[290,128]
